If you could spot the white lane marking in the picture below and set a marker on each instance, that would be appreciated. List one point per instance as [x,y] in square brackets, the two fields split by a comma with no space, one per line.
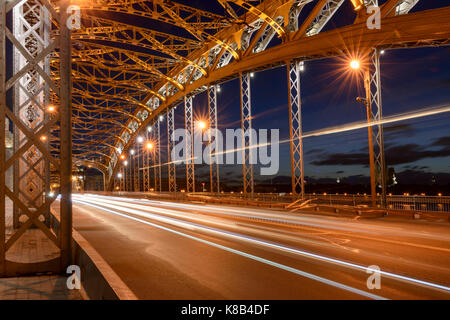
[189,225]
[247,255]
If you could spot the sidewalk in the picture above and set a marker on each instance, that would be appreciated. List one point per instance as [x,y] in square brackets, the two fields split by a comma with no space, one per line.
[33,246]
[45,287]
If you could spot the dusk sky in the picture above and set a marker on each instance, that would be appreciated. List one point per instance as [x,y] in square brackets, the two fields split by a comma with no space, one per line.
[412,79]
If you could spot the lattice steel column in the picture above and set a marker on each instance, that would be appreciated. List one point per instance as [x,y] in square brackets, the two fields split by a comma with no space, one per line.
[33,85]
[146,166]
[295,127]
[157,167]
[376,108]
[189,138]
[170,145]
[246,125]
[214,166]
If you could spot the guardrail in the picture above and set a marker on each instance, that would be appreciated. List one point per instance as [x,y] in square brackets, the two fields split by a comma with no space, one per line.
[394,202]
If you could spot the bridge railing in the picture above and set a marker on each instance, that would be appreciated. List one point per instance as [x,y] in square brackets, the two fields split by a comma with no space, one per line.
[393,202]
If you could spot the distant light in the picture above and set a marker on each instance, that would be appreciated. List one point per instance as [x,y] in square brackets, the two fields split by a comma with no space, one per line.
[218,89]
[354,64]
[382,52]
[161,118]
[125,163]
[252,74]
[43,138]
[357,4]
[119,175]
[80,177]
[201,124]
[74,178]
[302,66]
[149,145]
[122,156]
[132,151]
[51,194]
[140,139]
[149,129]
[439,194]
[51,108]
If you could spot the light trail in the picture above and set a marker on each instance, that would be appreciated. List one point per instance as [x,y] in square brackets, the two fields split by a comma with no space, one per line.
[247,255]
[338,129]
[190,226]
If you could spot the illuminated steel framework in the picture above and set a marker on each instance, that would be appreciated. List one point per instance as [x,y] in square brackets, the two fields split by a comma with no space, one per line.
[126,77]
[35,83]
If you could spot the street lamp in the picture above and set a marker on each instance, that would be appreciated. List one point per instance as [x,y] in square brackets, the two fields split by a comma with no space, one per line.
[140,139]
[149,146]
[354,64]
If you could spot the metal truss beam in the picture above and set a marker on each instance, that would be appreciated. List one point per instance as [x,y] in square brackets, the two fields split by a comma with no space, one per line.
[214,176]
[376,109]
[246,125]
[294,69]
[189,138]
[170,146]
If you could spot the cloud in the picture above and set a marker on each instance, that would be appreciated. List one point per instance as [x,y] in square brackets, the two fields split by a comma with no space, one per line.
[394,155]
[442,142]
[316,150]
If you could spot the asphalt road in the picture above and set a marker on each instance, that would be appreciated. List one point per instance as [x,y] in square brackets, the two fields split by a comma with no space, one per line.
[167,250]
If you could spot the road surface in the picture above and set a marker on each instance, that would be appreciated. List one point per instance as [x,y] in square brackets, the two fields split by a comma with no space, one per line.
[168,250]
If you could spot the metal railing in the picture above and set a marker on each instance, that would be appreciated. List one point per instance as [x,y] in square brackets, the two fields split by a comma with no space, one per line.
[393,202]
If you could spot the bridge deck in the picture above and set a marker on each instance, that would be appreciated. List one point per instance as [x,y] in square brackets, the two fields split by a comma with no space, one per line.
[165,250]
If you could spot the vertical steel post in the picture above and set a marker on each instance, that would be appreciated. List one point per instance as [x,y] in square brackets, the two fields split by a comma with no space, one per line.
[189,138]
[214,165]
[65,138]
[2,135]
[295,127]
[170,145]
[376,109]
[246,125]
[145,166]
[370,136]
[157,167]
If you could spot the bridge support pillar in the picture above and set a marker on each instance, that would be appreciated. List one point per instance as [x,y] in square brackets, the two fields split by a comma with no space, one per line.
[29,84]
[375,113]
[170,145]
[246,125]
[295,127]
[214,165]
[146,153]
[157,155]
[189,138]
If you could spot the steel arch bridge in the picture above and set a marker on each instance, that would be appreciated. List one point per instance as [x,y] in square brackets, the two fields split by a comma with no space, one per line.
[129,62]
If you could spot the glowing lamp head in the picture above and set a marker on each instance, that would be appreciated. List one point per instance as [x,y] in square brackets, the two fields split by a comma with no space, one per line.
[140,139]
[354,64]
[125,163]
[357,4]
[51,108]
[43,138]
[132,151]
[122,156]
[149,145]
[201,124]
[119,175]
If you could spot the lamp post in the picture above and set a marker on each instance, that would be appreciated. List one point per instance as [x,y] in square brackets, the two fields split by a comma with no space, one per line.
[355,65]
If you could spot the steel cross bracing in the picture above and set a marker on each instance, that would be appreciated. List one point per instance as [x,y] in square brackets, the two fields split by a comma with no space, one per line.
[146,166]
[170,148]
[189,139]
[295,127]
[33,156]
[157,167]
[119,68]
[243,34]
[213,143]
[376,109]
[248,152]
